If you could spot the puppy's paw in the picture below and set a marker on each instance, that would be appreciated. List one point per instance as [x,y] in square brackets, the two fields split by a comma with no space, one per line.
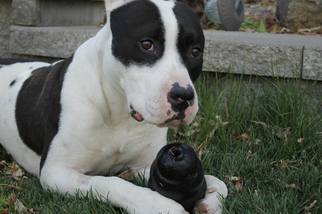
[215,195]
[154,203]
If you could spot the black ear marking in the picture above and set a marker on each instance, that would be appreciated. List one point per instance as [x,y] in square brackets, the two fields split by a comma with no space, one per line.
[131,23]
[197,6]
[190,36]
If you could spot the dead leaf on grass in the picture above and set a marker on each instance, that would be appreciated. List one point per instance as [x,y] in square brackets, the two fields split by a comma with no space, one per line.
[284,163]
[127,174]
[4,211]
[15,171]
[243,137]
[18,206]
[300,140]
[282,133]
[237,182]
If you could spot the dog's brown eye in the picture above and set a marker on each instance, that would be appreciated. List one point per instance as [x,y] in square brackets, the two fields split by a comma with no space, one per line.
[195,52]
[147,45]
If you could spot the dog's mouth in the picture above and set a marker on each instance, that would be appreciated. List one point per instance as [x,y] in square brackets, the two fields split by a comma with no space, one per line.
[136,115]
[175,121]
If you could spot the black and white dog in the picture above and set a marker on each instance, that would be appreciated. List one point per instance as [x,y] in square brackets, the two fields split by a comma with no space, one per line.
[108,107]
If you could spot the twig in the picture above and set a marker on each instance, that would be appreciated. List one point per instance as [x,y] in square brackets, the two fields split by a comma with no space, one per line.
[10,186]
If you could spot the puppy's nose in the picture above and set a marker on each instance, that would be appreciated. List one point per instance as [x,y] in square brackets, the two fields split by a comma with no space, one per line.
[181,98]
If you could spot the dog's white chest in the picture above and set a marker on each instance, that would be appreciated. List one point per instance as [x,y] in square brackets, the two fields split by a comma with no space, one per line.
[118,148]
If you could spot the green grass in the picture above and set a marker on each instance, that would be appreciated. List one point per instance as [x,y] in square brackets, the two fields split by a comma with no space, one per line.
[266,134]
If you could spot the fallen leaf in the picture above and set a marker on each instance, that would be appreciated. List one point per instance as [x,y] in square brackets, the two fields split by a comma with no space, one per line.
[284,163]
[237,182]
[282,133]
[12,199]
[127,174]
[15,171]
[300,140]
[243,137]
[4,211]
[20,207]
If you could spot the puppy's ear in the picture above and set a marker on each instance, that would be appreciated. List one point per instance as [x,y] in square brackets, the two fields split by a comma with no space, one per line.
[198,6]
[112,4]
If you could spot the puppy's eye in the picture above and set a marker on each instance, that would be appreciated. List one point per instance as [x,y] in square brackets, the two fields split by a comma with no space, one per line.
[196,52]
[147,45]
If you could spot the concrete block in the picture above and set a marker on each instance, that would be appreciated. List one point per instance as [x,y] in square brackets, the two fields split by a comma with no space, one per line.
[71,13]
[312,63]
[5,10]
[253,53]
[25,12]
[48,41]
[239,53]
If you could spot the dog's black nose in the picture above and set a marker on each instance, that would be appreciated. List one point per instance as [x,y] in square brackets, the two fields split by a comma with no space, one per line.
[181,98]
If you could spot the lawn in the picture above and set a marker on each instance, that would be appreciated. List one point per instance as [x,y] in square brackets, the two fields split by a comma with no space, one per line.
[262,137]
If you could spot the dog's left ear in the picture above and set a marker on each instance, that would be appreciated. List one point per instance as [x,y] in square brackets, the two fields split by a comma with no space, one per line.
[112,4]
[198,6]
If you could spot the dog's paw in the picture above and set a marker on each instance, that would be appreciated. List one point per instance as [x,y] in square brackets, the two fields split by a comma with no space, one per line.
[212,203]
[154,203]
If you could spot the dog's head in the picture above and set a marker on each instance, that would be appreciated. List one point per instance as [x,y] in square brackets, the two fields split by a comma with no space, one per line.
[160,45]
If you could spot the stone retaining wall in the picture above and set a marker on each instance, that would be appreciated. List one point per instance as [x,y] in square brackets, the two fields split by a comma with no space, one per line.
[234,52]
[5,12]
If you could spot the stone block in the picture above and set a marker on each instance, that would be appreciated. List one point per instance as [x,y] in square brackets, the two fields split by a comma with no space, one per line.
[25,12]
[253,54]
[5,10]
[48,41]
[71,13]
[312,63]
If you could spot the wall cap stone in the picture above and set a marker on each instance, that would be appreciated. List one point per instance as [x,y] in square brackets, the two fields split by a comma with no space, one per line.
[260,54]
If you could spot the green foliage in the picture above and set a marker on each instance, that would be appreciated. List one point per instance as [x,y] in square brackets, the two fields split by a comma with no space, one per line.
[261,27]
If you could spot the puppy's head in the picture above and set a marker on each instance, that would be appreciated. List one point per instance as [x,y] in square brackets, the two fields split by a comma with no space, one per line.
[160,45]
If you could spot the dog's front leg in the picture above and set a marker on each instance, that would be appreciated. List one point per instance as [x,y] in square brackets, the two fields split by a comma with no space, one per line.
[216,192]
[119,192]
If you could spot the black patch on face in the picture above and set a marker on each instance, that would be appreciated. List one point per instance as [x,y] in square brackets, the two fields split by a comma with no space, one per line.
[38,107]
[13,82]
[136,21]
[190,37]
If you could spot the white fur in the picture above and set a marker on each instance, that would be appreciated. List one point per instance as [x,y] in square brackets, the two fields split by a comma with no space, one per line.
[96,134]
